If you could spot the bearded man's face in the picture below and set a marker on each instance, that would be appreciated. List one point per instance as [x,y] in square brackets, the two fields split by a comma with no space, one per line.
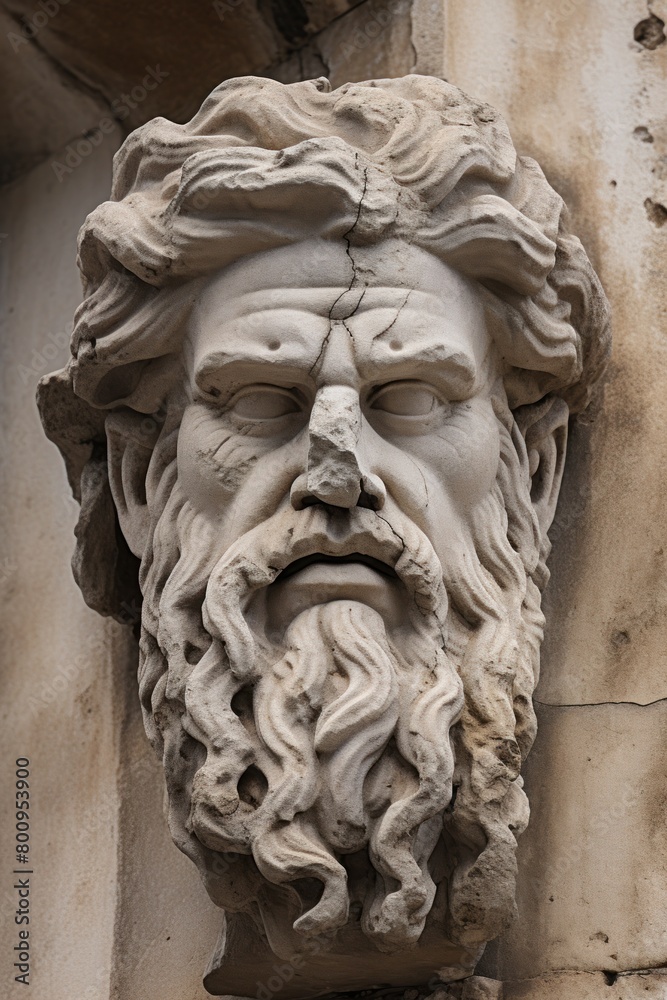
[306,390]
[331,569]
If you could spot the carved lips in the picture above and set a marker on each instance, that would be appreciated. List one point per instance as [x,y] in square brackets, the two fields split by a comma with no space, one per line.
[321,557]
[320,578]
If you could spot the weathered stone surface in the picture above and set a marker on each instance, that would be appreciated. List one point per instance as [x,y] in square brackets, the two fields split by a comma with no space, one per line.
[649,985]
[578,89]
[60,663]
[482,988]
[375,40]
[166,926]
[293,304]
[592,887]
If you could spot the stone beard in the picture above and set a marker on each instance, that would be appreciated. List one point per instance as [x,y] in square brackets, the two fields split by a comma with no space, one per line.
[335,737]
[318,407]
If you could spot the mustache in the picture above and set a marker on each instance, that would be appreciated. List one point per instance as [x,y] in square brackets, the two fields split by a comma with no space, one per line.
[290,539]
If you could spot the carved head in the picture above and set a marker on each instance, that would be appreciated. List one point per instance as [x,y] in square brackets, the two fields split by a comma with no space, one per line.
[317,407]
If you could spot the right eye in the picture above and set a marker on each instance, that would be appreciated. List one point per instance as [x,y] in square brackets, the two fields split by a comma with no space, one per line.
[264,402]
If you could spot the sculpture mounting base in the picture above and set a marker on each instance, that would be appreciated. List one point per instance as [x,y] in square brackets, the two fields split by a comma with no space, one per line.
[244,965]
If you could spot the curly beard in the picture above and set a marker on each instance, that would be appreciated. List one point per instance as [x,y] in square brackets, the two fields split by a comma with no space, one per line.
[287,763]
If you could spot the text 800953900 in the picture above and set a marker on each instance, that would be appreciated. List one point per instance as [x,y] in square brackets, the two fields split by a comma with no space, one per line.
[22,810]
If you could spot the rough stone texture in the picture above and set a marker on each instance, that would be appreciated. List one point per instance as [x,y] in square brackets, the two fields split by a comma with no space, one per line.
[583,97]
[156,953]
[373,41]
[593,862]
[587,98]
[590,986]
[60,662]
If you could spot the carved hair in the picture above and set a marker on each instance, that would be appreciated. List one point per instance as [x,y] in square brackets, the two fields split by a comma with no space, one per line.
[262,165]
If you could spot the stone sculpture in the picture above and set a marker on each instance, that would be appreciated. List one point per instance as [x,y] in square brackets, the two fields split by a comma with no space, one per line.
[316,417]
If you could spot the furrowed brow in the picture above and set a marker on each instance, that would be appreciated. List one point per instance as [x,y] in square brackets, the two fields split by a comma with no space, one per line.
[219,375]
[453,371]
[266,347]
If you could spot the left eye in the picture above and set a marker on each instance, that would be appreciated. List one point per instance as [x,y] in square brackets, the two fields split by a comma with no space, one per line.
[405,399]
[264,403]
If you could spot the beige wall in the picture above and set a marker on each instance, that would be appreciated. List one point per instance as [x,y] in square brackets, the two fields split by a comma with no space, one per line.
[60,661]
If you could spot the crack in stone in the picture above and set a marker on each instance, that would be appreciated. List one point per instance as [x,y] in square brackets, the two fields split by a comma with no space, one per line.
[393,531]
[421,610]
[596,704]
[418,468]
[344,321]
[346,237]
[647,971]
[398,313]
[312,43]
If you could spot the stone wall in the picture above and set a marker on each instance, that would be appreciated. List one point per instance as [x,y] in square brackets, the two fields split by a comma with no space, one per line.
[62,664]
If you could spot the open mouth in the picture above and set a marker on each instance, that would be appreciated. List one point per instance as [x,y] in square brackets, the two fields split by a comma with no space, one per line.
[320,557]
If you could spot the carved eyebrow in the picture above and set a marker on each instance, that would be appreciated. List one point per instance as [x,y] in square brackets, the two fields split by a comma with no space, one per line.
[413,342]
[219,373]
[454,371]
[286,341]
[277,303]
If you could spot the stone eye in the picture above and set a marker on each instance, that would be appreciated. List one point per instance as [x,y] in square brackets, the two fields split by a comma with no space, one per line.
[264,402]
[405,399]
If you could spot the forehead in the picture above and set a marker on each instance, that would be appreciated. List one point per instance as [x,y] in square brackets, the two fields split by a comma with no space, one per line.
[395,302]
